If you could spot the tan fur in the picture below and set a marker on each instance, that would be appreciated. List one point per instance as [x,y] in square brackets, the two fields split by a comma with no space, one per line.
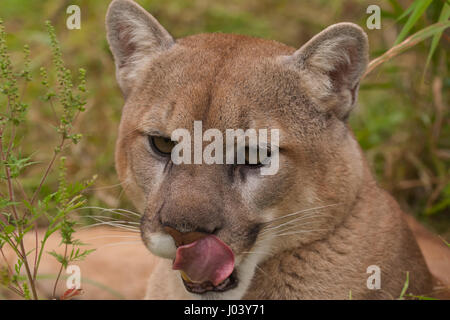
[234,81]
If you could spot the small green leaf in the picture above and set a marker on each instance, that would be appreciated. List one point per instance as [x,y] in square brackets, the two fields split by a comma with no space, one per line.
[408,11]
[58,257]
[6,203]
[9,229]
[444,16]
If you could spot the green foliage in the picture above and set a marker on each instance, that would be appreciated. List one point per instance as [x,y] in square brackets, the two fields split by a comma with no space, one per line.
[430,31]
[443,17]
[71,104]
[20,211]
[402,122]
[404,295]
[415,11]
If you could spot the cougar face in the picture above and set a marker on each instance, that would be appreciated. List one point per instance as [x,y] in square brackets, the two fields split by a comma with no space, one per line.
[235,82]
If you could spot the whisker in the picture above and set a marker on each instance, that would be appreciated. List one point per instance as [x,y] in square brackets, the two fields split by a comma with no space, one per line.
[269,277]
[257,252]
[124,222]
[117,230]
[123,214]
[113,236]
[130,212]
[300,232]
[301,211]
[262,271]
[112,219]
[294,227]
[131,229]
[120,243]
[306,216]
[122,192]
[116,210]
[112,225]
[127,181]
[117,222]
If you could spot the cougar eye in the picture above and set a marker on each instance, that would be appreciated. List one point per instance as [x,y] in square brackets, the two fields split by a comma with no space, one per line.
[161,145]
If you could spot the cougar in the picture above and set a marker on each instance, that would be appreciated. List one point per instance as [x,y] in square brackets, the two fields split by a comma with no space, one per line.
[320,228]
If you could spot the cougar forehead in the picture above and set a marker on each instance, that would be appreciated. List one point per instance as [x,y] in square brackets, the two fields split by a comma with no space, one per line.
[206,77]
[226,81]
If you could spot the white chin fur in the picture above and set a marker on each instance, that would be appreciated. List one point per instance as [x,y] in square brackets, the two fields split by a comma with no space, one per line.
[162,245]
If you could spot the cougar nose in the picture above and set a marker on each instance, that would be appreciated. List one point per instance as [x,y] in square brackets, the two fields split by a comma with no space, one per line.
[183,238]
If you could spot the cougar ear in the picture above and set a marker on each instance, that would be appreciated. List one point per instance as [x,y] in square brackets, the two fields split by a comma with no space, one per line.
[332,64]
[134,37]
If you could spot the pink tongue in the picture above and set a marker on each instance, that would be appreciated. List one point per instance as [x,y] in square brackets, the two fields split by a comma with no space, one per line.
[207,259]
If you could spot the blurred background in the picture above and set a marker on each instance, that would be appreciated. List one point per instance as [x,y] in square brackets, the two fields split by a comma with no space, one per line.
[402,121]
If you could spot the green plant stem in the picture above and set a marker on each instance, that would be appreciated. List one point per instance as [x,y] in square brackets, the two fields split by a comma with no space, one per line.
[60,271]
[36,245]
[15,248]
[8,176]
[52,161]
[47,171]
[41,251]
[13,136]
[405,287]
[16,217]
[27,268]
[39,256]
[406,44]
[22,191]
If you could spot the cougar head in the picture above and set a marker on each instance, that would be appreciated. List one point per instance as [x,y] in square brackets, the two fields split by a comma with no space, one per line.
[218,221]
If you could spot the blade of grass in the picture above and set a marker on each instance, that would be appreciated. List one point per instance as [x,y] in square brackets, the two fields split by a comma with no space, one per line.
[405,287]
[421,297]
[418,11]
[408,11]
[444,16]
[406,44]
[447,243]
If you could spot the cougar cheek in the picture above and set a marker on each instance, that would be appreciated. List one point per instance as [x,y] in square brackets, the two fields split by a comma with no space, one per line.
[161,245]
